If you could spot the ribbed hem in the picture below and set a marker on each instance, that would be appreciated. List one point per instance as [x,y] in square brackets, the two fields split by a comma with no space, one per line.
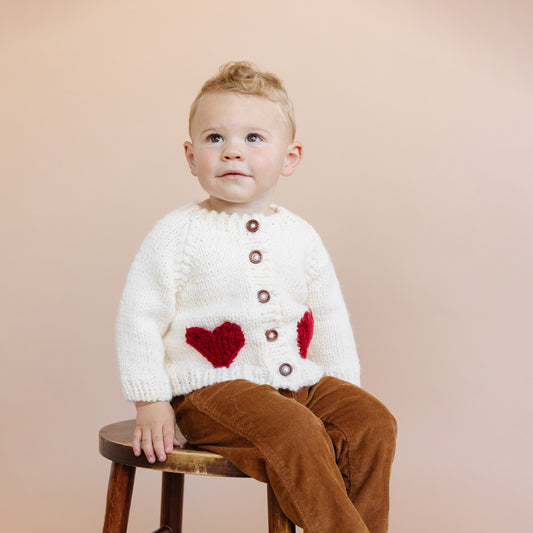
[149,389]
[188,380]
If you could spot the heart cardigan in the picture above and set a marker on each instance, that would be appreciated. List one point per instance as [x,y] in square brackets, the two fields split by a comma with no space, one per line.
[212,297]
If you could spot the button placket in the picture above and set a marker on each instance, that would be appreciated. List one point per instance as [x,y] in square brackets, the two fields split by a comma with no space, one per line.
[255,257]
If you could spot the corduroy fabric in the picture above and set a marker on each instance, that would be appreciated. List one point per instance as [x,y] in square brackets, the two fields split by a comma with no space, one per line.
[327,449]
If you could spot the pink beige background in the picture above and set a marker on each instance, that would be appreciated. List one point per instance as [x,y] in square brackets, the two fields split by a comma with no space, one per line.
[417,121]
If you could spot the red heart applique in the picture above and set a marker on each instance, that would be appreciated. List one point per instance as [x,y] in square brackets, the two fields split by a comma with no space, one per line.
[305,332]
[219,347]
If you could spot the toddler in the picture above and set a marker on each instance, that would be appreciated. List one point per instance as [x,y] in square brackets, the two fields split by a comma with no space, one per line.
[233,325]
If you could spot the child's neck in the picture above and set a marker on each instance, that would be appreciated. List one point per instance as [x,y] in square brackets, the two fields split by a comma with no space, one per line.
[221,206]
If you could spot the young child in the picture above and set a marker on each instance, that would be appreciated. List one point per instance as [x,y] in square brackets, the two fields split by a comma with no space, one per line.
[232,323]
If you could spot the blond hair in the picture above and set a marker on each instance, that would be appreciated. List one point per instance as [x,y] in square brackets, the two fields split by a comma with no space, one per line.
[242,77]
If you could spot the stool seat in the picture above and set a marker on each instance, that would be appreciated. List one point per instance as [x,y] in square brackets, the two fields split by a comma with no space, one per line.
[115,443]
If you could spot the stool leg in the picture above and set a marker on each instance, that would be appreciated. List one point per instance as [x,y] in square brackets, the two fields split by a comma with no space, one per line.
[172,501]
[119,491]
[277,521]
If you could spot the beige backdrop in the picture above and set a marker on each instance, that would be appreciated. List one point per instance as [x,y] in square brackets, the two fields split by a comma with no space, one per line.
[416,119]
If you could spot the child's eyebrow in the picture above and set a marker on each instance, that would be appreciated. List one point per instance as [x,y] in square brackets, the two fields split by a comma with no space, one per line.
[248,129]
[209,129]
[258,130]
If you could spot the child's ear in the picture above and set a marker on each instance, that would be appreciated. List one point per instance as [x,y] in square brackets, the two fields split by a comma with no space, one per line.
[292,159]
[189,156]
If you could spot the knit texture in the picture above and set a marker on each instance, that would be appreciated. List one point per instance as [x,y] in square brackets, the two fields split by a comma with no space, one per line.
[200,308]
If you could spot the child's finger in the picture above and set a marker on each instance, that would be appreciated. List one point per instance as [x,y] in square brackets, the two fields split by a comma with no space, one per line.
[136,441]
[159,445]
[147,447]
[168,438]
[179,438]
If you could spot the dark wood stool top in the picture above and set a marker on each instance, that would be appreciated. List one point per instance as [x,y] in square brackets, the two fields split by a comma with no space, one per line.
[116,445]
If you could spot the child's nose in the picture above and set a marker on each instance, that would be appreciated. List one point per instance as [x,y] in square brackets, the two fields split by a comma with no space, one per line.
[231,152]
[232,155]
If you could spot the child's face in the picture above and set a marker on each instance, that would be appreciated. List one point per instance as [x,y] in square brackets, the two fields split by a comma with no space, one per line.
[240,147]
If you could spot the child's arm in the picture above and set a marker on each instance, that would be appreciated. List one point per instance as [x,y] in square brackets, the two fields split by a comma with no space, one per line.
[333,345]
[146,309]
[155,430]
[147,306]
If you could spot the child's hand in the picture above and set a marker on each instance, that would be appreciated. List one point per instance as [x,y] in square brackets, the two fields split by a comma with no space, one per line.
[155,431]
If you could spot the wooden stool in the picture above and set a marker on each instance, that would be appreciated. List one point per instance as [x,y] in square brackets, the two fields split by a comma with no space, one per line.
[116,445]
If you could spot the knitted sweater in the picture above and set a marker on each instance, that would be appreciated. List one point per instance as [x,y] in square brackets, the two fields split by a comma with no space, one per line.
[212,297]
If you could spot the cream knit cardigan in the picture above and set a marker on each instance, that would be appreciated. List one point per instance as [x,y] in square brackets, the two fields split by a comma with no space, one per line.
[196,270]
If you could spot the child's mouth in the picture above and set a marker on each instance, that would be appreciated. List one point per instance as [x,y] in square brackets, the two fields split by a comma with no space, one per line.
[233,174]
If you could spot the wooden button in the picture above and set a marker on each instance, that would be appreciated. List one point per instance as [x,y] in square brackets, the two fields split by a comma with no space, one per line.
[256,257]
[263,296]
[285,369]
[252,225]
[271,335]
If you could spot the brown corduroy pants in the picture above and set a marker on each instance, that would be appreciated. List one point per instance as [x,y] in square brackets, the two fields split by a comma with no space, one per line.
[326,450]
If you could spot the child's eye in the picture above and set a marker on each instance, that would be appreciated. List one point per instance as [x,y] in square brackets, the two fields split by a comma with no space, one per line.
[253,138]
[214,138]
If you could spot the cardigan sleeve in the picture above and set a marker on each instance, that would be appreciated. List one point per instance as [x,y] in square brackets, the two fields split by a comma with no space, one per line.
[333,344]
[146,310]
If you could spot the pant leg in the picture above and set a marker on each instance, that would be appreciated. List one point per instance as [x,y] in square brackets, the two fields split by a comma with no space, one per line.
[273,438]
[363,433]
